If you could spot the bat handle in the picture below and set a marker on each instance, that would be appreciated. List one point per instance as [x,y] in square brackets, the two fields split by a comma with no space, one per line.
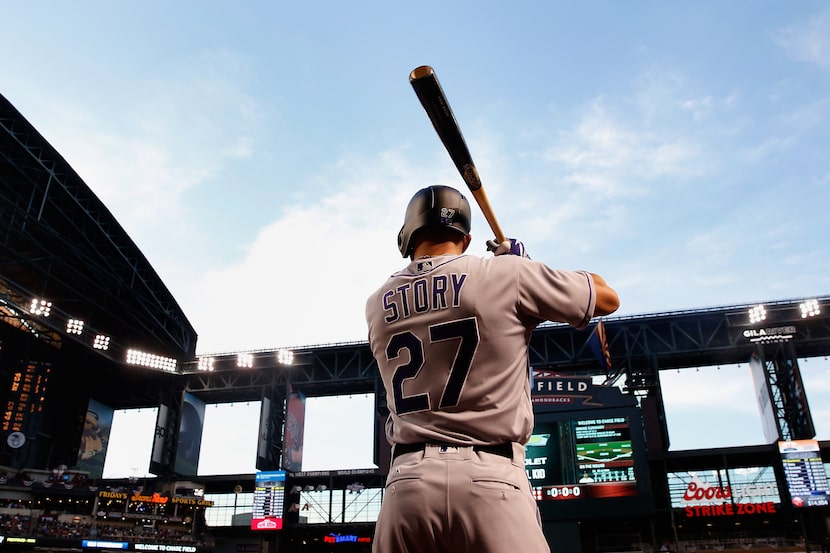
[481,197]
[471,178]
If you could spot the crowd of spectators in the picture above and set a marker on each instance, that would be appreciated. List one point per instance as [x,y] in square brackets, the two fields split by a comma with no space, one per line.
[158,533]
[15,525]
[69,515]
[83,528]
[68,479]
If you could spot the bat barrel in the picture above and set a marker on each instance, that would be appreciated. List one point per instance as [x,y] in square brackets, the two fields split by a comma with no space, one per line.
[426,86]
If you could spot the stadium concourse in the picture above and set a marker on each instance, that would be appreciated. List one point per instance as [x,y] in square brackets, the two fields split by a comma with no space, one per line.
[75,292]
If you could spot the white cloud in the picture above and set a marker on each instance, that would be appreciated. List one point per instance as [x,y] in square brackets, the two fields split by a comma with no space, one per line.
[307,274]
[615,155]
[609,165]
[807,40]
[711,407]
[698,402]
[728,388]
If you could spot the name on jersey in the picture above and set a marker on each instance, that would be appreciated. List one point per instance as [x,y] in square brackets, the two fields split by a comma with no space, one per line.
[428,293]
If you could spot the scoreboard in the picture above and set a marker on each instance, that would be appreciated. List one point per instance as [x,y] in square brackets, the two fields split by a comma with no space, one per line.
[804,472]
[269,500]
[25,393]
[587,462]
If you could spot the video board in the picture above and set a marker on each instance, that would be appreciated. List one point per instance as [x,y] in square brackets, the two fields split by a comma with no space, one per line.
[583,463]
[804,472]
[269,500]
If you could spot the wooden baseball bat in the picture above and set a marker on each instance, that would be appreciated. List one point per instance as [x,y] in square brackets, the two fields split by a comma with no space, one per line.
[432,97]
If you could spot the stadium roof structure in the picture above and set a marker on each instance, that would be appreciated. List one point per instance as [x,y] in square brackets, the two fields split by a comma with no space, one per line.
[62,249]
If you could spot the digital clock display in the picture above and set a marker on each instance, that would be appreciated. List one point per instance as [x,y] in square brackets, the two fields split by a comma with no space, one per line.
[563,492]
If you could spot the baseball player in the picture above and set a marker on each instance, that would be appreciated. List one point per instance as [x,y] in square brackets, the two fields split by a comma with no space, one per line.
[450,335]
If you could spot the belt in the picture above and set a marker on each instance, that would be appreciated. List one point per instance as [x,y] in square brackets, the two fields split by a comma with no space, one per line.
[505,449]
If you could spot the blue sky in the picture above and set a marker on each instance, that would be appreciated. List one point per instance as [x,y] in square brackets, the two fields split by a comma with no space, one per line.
[261,153]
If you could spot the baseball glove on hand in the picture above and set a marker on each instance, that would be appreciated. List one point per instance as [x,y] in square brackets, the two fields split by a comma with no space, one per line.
[510,246]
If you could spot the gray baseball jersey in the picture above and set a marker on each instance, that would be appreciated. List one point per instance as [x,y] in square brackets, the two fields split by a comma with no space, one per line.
[450,336]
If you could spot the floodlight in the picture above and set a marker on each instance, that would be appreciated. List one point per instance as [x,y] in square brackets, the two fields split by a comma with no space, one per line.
[320,488]
[757,314]
[810,308]
[101,342]
[285,357]
[245,360]
[206,364]
[296,489]
[150,360]
[75,326]
[41,308]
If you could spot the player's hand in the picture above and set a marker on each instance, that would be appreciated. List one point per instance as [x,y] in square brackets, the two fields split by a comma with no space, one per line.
[510,246]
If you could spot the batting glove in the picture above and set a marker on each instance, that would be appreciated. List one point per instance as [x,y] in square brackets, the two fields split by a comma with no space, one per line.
[510,246]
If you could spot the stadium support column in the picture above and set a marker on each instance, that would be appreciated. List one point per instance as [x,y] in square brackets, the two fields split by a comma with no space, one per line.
[166,432]
[382,454]
[787,394]
[271,420]
[645,384]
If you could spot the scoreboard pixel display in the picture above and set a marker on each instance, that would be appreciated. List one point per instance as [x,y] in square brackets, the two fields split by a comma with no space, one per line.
[804,471]
[585,462]
[269,500]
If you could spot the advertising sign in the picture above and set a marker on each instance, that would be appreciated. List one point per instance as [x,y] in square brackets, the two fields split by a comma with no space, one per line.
[292,456]
[190,435]
[94,439]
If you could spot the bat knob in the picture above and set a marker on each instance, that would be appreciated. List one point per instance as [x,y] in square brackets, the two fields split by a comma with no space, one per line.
[421,72]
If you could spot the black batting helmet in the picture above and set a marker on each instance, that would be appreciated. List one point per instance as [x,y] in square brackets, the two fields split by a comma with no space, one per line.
[434,207]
